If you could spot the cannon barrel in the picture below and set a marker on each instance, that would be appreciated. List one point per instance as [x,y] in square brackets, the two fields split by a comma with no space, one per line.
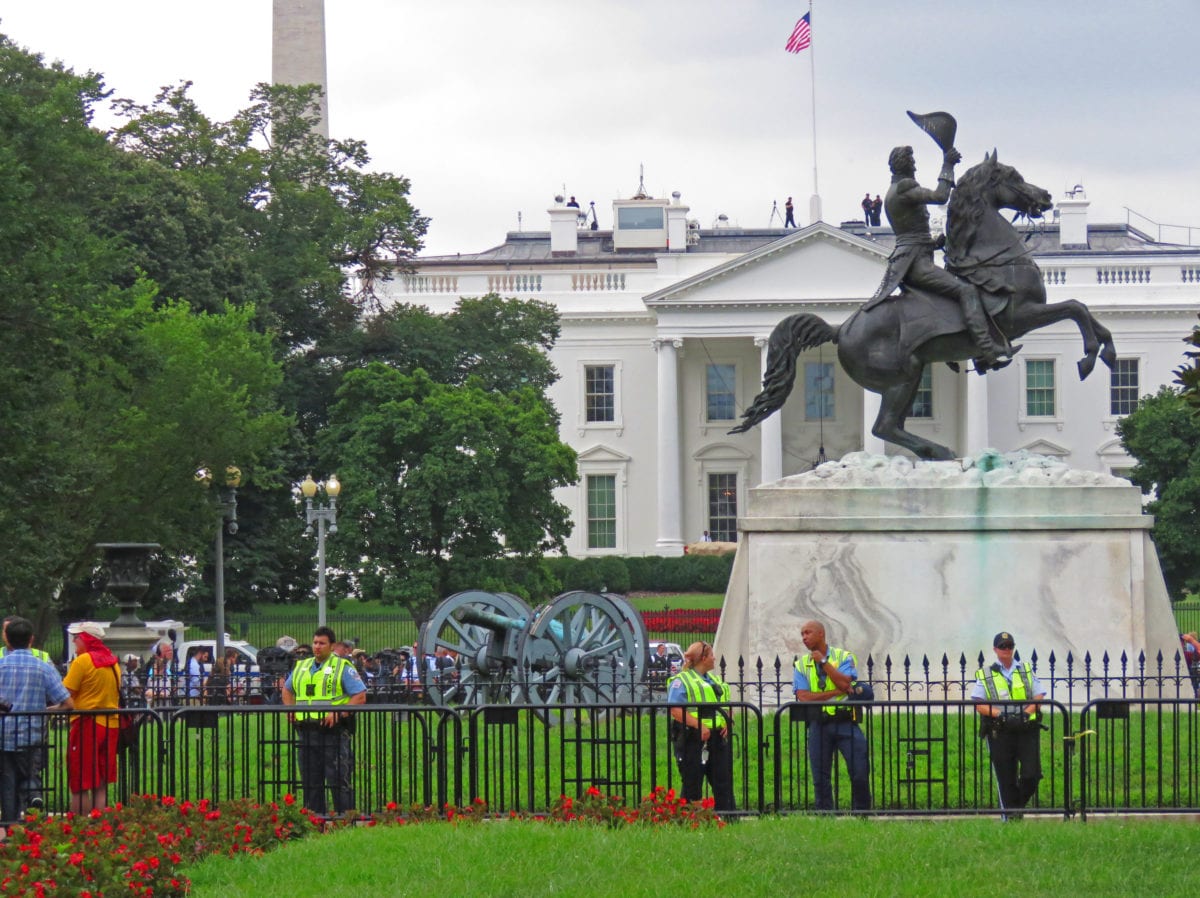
[470,614]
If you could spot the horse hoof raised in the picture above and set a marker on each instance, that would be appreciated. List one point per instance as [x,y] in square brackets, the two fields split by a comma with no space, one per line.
[1086,364]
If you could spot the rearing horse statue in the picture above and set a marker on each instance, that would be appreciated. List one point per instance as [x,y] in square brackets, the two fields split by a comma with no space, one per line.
[885,350]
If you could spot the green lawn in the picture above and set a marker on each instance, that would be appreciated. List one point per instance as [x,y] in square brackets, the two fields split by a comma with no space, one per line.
[661,601]
[767,857]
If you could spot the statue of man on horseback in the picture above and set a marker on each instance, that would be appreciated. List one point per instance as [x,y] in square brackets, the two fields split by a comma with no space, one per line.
[942,315]
[911,262]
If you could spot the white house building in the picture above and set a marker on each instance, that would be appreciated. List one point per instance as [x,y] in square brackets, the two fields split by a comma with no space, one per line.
[664,332]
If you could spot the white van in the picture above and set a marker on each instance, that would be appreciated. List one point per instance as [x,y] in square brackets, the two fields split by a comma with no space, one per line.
[245,676]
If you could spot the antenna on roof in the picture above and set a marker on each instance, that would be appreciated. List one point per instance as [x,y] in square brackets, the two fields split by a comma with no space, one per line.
[641,191]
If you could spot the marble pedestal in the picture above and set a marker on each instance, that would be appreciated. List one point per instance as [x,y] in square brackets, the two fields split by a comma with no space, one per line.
[924,559]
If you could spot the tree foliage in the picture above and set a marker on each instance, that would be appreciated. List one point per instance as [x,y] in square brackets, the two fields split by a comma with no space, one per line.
[184,291]
[1163,434]
[307,214]
[1188,376]
[441,477]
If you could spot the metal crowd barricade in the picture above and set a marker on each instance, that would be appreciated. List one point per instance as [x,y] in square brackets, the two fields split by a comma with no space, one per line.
[1139,755]
[138,768]
[926,757]
[523,758]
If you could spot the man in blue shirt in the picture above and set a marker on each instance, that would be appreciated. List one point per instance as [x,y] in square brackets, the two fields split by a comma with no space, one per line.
[319,689]
[27,684]
[828,674]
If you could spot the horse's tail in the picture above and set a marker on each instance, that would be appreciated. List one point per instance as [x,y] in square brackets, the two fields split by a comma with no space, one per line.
[791,336]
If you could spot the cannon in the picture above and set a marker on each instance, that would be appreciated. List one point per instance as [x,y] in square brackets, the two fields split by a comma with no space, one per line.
[581,648]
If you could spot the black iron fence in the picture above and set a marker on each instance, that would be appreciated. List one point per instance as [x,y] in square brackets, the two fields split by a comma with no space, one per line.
[1070,679]
[1120,739]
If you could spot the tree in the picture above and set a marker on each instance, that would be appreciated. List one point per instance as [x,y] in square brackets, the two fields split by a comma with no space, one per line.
[261,209]
[1163,434]
[440,478]
[112,393]
[308,212]
[1188,376]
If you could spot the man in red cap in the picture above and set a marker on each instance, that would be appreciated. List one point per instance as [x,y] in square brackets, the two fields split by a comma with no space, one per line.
[94,680]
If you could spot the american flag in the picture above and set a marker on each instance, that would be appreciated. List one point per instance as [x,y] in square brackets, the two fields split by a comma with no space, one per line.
[801,35]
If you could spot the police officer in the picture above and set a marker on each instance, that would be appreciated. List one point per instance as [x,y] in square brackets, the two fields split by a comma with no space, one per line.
[829,674]
[320,688]
[1012,730]
[701,729]
[40,654]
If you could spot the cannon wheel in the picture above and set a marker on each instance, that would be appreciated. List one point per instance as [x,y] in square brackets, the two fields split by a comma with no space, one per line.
[481,675]
[583,648]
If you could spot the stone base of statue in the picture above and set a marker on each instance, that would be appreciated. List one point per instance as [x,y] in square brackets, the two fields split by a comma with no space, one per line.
[916,560]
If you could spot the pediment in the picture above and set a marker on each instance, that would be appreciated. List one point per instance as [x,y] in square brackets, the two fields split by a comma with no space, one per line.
[721,452]
[1112,451]
[1045,447]
[819,262]
[603,454]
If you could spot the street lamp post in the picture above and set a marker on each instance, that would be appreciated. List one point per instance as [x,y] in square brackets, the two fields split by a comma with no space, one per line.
[227,500]
[323,516]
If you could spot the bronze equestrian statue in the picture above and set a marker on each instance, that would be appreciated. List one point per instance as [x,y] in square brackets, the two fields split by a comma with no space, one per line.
[991,288]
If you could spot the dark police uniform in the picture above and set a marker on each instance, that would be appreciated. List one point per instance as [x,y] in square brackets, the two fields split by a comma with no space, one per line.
[694,764]
[326,753]
[833,728]
[1014,743]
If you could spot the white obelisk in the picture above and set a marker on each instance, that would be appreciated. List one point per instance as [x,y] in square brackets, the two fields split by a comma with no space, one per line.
[298,48]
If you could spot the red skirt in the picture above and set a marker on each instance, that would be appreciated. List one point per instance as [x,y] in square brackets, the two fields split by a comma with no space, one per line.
[91,755]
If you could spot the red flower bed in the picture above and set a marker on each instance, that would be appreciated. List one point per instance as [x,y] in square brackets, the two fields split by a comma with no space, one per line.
[139,848]
[682,620]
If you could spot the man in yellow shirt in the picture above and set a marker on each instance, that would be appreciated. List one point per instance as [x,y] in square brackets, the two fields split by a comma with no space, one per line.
[94,680]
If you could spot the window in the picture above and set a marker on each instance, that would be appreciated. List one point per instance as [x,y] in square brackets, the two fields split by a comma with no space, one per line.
[600,393]
[722,507]
[1039,388]
[638,218]
[719,396]
[818,391]
[602,511]
[922,404]
[1123,387]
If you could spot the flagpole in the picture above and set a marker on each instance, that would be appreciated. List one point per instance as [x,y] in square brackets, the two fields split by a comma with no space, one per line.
[814,203]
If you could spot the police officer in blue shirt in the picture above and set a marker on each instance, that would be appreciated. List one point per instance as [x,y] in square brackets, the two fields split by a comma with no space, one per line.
[828,674]
[1006,694]
[319,689]
[701,724]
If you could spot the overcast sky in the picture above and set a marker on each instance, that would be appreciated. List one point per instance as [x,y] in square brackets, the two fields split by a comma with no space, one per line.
[491,108]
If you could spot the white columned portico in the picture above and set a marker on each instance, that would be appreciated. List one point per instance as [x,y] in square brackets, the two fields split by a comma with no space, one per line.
[670,468]
[872,402]
[975,416]
[770,431]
